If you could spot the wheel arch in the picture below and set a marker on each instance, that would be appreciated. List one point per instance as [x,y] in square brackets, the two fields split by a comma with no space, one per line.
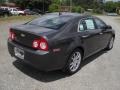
[74,48]
[80,48]
[113,36]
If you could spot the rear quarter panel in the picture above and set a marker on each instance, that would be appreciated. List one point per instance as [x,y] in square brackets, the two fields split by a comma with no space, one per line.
[66,41]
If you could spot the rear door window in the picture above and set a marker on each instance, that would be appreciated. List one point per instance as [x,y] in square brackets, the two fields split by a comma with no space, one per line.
[90,24]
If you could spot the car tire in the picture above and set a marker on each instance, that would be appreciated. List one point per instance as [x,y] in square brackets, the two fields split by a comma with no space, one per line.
[5,15]
[110,44]
[74,61]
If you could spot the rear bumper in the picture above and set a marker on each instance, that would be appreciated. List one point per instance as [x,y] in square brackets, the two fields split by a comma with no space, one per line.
[42,60]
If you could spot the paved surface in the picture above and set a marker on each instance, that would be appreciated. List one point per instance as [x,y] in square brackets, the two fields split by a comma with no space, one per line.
[99,72]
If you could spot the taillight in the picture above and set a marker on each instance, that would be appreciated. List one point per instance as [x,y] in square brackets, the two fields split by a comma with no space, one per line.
[11,35]
[40,44]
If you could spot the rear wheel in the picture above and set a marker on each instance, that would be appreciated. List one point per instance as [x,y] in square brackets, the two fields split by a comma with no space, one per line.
[110,44]
[74,61]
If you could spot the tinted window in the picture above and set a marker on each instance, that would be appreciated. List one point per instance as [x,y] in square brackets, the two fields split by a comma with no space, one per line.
[89,24]
[6,9]
[51,21]
[99,23]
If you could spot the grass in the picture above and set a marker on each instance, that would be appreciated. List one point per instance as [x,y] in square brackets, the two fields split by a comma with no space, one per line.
[17,18]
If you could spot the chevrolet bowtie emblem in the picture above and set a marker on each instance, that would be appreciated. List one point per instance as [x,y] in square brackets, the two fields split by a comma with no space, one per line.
[22,35]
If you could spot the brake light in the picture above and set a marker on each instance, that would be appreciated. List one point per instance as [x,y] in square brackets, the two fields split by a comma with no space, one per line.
[40,44]
[11,35]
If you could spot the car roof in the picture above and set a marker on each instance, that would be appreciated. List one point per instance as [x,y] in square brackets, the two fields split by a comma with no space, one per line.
[68,14]
[64,14]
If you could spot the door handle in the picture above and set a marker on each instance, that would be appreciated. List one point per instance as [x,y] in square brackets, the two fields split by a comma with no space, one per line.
[85,36]
[101,33]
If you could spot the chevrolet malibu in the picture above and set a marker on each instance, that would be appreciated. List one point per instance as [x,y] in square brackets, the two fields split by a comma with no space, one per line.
[59,41]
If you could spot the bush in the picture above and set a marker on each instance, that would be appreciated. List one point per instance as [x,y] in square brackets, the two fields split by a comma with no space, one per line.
[98,11]
[53,8]
[77,9]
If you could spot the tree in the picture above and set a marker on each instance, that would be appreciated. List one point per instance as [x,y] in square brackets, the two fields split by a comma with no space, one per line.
[40,4]
[110,6]
[54,8]
[84,3]
[77,9]
[2,1]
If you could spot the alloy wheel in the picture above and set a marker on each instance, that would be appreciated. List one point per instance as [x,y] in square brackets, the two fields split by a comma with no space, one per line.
[75,61]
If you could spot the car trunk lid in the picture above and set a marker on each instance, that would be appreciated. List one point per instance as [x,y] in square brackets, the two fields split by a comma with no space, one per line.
[26,34]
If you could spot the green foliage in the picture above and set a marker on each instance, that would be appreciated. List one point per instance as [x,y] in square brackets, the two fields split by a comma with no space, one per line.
[32,4]
[55,1]
[110,6]
[2,1]
[78,5]
[54,8]
[77,9]
[98,11]
[86,4]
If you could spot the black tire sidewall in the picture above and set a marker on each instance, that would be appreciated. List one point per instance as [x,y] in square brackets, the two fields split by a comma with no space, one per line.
[108,48]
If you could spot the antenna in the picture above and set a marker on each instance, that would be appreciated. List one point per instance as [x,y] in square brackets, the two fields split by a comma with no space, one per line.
[71,5]
[60,13]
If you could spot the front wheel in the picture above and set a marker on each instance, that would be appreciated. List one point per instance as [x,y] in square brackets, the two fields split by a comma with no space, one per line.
[74,61]
[110,44]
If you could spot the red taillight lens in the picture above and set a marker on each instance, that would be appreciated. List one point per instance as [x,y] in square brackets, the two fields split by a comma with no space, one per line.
[40,44]
[11,35]
[43,44]
[36,44]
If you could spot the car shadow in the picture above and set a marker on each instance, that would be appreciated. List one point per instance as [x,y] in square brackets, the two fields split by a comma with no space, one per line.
[92,58]
[49,76]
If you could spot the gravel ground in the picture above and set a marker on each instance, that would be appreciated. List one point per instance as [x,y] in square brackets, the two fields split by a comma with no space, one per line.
[99,72]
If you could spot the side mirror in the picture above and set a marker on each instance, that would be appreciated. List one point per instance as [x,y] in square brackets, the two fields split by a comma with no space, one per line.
[107,27]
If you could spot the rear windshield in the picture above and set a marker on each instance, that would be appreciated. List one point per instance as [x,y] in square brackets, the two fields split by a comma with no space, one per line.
[51,21]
